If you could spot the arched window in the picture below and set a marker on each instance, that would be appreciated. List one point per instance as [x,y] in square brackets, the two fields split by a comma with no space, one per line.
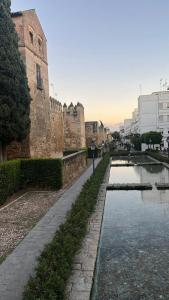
[40,44]
[31,35]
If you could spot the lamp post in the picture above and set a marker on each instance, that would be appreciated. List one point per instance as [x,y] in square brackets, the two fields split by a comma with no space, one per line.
[167,140]
[103,144]
[93,148]
[150,141]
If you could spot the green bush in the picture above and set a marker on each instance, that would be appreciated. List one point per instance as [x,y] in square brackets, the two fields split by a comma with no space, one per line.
[42,173]
[55,262]
[119,153]
[39,173]
[10,179]
[125,153]
[157,156]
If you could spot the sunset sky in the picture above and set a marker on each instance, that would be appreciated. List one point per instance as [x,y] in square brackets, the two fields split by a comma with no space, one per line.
[101,51]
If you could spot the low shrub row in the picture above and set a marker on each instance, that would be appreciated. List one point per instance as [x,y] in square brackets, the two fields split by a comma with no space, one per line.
[119,153]
[125,153]
[158,156]
[10,179]
[39,173]
[42,173]
[55,263]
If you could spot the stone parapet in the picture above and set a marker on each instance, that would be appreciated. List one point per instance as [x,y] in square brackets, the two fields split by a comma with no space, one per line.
[73,165]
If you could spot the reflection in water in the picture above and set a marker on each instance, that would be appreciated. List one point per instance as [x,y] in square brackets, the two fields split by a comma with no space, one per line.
[133,259]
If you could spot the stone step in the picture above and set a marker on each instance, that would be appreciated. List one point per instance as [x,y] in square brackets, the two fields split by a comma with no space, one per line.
[123,165]
[162,186]
[129,186]
[136,164]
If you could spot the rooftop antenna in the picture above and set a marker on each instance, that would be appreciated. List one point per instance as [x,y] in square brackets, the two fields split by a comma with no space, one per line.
[53,90]
[161,84]
[140,89]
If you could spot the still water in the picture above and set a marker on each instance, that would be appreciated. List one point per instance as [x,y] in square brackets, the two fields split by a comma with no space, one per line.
[133,258]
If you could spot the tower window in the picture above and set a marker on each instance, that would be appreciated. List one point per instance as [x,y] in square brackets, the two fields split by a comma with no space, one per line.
[40,44]
[31,37]
[39,78]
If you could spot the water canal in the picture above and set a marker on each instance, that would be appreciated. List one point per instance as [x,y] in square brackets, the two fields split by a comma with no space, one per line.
[133,257]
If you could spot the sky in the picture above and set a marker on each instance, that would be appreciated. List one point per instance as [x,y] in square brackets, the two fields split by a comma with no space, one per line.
[104,53]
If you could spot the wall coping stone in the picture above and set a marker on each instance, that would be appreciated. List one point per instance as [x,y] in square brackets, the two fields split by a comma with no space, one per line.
[70,156]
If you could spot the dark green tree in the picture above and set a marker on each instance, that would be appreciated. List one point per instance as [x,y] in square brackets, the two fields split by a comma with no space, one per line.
[14,91]
[135,140]
[151,138]
[116,136]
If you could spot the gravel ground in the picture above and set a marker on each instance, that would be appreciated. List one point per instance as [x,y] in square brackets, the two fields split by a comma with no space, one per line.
[18,218]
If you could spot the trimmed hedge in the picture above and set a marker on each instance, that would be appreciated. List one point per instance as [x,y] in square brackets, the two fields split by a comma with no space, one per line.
[55,262]
[158,156]
[10,179]
[42,173]
[126,153]
[38,173]
[119,153]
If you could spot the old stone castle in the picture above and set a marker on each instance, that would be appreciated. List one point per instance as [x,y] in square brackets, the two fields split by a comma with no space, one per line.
[53,128]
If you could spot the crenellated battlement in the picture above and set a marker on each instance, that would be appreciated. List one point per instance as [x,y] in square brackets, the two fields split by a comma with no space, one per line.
[74,126]
[55,105]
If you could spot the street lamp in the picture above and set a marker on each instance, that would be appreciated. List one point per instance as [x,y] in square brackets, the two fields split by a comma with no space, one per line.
[150,141]
[103,145]
[93,148]
[167,140]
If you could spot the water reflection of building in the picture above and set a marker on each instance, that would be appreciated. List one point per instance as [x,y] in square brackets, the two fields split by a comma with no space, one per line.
[154,174]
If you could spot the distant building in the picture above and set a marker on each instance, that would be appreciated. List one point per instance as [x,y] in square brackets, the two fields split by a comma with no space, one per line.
[45,139]
[134,124]
[74,127]
[127,126]
[95,131]
[154,113]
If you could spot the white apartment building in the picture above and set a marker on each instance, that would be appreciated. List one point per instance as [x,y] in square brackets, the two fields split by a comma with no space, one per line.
[127,126]
[153,111]
[134,124]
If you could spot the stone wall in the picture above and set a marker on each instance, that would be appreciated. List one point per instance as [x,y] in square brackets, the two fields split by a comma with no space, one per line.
[95,132]
[19,150]
[74,127]
[56,128]
[73,165]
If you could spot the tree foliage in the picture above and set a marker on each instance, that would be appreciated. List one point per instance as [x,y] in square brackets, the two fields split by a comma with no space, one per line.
[14,91]
[116,135]
[151,138]
[135,140]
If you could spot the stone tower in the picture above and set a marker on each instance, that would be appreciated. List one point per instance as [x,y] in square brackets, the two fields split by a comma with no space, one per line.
[33,48]
[74,127]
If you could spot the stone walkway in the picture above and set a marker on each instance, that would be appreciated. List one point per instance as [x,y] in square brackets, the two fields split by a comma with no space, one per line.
[17,268]
[80,283]
[18,217]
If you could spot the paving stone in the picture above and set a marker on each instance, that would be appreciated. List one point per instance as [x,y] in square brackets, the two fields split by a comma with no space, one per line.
[80,283]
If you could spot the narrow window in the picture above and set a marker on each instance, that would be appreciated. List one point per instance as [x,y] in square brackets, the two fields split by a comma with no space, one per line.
[160,105]
[40,45]
[39,78]
[161,118]
[31,37]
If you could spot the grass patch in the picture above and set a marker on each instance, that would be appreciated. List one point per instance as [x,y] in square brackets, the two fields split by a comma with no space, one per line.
[55,263]
[2,258]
